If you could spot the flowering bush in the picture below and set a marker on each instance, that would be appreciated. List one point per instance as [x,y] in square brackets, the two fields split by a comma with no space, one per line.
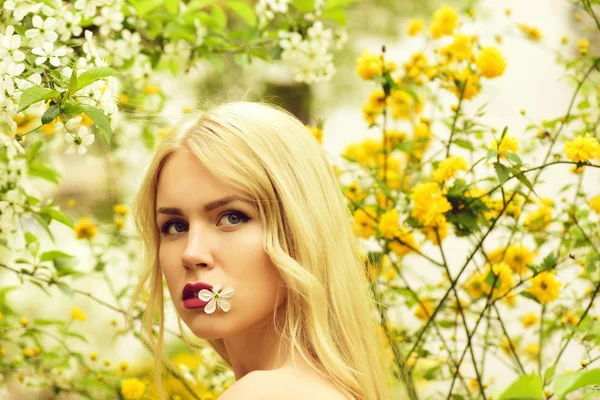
[70,71]
[431,184]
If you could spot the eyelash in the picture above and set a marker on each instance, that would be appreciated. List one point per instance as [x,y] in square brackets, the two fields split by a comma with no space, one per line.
[165,227]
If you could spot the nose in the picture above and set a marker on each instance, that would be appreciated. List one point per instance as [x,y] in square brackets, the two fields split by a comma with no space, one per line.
[197,251]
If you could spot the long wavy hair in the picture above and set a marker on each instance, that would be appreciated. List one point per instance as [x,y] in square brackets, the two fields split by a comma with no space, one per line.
[265,151]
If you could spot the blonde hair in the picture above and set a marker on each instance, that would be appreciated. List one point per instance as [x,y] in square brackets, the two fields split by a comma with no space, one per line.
[268,153]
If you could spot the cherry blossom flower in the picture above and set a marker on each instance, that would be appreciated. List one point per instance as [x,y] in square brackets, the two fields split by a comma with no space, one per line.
[216,298]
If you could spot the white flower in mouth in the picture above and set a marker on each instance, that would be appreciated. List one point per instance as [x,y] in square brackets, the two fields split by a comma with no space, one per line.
[216,298]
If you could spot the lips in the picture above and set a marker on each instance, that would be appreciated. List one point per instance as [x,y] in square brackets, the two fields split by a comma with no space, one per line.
[189,295]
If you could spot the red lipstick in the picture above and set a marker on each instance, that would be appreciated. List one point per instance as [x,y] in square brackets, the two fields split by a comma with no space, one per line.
[189,295]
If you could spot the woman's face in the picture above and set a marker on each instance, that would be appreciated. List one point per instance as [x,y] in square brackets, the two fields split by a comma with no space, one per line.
[223,246]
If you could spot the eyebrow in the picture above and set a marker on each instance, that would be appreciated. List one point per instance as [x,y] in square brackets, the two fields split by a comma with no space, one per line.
[208,207]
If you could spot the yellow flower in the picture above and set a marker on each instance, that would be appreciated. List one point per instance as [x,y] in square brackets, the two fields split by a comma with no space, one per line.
[394,138]
[583,45]
[442,231]
[405,242]
[3,351]
[403,104]
[119,222]
[502,274]
[354,192]
[123,99]
[544,287]
[1,316]
[364,222]
[531,32]
[415,26]
[564,39]
[538,220]
[424,310]
[27,352]
[370,113]
[517,256]
[106,362]
[316,132]
[151,89]
[444,21]
[24,321]
[582,148]
[474,286]
[370,65]
[459,50]
[532,350]
[595,204]
[77,314]
[94,356]
[123,366]
[448,168]
[529,320]
[85,229]
[132,388]
[472,84]
[570,318]
[389,224]
[491,62]
[508,144]
[121,209]
[429,204]
[72,203]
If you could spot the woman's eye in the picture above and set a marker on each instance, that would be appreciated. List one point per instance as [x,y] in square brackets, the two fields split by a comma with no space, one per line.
[234,217]
[166,228]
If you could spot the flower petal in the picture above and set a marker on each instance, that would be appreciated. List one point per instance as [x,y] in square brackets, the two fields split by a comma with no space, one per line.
[216,288]
[210,307]
[205,295]
[224,305]
[227,293]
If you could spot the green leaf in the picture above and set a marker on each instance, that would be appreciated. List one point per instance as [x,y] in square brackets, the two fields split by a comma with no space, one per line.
[46,322]
[219,17]
[583,104]
[549,262]
[572,381]
[44,289]
[521,176]
[94,74]
[100,119]
[502,172]
[44,224]
[51,255]
[66,289]
[33,149]
[465,144]
[593,394]
[514,158]
[244,11]
[34,95]
[337,15]
[143,7]
[57,216]
[73,81]
[305,6]
[526,387]
[50,114]
[77,335]
[549,374]
[529,296]
[172,6]
[30,238]
[38,169]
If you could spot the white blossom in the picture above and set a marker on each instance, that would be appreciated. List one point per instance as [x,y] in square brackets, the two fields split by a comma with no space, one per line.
[44,30]
[9,46]
[48,52]
[110,19]
[216,298]
[80,141]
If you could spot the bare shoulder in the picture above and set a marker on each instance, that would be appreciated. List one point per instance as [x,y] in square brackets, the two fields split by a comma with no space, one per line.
[273,385]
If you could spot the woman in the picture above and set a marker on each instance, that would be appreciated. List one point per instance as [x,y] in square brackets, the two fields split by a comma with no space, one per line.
[243,216]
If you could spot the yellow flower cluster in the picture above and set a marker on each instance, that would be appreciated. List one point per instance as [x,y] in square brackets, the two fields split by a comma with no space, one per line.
[444,21]
[545,287]
[429,204]
[583,45]
[370,65]
[538,220]
[132,388]
[85,229]
[448,168]
[529,319]
[461,49]
[403,105]
[365,221]
[491,62]
[469,83]
[417,66]
[502,273]
[582,148]
[415,26]
[530,32]
[517,256]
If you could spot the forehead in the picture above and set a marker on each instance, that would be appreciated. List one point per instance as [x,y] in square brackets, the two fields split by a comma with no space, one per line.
[183,178]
